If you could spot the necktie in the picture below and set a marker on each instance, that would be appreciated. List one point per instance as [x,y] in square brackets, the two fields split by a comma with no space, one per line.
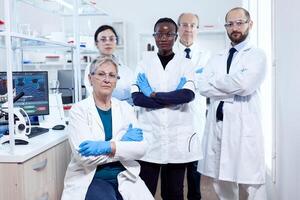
[219,113]
[187,50]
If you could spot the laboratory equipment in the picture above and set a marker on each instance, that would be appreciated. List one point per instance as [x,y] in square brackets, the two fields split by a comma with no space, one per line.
[34,86]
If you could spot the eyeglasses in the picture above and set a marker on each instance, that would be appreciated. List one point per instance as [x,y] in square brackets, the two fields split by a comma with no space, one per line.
[167,35]
[187,25]
[109,76]
[238,23]
[104,39]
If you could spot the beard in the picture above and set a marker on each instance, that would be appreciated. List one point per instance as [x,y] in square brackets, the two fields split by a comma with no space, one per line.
[237,37]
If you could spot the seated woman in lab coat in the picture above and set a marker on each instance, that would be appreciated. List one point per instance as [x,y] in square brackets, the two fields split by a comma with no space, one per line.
[105,142]
[106,40]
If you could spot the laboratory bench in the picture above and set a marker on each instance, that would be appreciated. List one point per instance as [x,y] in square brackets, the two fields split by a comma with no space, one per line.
[36,170]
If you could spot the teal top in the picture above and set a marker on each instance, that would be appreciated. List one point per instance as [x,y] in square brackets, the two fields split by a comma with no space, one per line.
[107,122]
[109,171]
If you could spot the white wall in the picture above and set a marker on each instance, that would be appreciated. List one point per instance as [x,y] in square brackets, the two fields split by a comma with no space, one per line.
[142,15]
[287,98]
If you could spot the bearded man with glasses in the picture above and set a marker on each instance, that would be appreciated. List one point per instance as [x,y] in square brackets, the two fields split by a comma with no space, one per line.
[233,138]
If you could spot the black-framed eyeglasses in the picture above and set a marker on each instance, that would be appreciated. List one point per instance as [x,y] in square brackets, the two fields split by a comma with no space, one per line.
[167,35]
[238,23]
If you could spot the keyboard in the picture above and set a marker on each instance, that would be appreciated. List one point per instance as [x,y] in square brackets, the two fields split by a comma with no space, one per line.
[35,131]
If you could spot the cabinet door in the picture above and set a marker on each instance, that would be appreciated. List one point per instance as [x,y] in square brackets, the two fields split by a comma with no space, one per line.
[10,181]
[39,176]
[63,155]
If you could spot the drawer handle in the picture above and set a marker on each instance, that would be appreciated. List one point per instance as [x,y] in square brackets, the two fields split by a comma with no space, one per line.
[40,166]
[44,197]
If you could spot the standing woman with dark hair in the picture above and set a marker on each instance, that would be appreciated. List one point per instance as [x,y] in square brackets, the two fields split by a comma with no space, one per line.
[106,40]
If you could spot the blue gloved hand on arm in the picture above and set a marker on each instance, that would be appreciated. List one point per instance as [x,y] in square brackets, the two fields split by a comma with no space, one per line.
[144,85]
[199,70]
[94,148]
[133,134]
[181,83]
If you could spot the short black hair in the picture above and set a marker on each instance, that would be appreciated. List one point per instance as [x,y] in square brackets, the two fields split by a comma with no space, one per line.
[167,20]
[103,28]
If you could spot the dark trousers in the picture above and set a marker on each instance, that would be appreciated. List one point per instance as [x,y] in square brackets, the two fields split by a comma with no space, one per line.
[193,181]
[102,190]
[172,176]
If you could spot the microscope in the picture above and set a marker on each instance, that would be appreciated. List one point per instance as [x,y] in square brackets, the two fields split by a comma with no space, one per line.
[22,126]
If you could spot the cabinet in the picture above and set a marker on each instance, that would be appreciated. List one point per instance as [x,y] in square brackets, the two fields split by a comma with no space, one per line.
[40,177]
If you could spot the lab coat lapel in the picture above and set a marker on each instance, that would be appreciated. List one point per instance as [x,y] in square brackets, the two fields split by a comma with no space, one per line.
[116,116]
[93,111]
[234,64]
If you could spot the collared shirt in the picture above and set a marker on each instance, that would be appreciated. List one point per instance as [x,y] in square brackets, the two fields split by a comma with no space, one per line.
[182,48]
[240,46]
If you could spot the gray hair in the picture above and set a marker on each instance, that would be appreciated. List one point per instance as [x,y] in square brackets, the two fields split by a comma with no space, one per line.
[182,14]
[103,59]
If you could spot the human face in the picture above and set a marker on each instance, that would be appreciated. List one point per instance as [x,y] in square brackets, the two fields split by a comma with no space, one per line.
[104,79]
[165,36]
[237,26]
[106,42]
[188,29]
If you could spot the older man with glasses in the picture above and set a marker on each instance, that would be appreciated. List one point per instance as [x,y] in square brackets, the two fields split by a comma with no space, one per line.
[189,47]
[233,138]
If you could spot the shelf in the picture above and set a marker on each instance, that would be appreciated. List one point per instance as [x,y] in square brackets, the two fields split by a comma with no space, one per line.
[62,7]
[88,51]
[52,64]
[90,8]
[29,42]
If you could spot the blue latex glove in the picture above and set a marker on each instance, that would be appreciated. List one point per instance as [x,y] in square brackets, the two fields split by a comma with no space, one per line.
[181,83]
[94,148]
[133,134]
[199,70]
[144,85]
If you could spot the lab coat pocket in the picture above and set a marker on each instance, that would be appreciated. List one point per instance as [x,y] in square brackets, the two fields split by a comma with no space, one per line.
[194,144]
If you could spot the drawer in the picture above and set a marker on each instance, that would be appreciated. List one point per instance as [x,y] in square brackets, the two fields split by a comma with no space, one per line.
[39,177]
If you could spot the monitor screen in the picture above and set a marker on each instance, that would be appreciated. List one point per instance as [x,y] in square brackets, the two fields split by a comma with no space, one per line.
[66,85]
[34,84]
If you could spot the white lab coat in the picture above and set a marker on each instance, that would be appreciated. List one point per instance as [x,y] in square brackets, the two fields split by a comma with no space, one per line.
[85,124]
[199,58]
[242,150]
[122,90]
[168,131]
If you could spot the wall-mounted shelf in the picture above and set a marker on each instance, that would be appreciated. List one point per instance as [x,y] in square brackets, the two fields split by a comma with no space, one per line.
[61,7]
[33,42]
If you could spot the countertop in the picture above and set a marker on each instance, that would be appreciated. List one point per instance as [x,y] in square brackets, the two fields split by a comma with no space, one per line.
[36,145]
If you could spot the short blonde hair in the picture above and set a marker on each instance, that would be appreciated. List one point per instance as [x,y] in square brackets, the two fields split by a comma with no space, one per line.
[100,60]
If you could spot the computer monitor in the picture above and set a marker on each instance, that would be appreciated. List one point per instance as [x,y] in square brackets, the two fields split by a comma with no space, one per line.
[34,84]
[66,85]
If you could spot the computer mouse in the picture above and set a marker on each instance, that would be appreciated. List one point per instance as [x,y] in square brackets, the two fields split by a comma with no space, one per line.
[59,127]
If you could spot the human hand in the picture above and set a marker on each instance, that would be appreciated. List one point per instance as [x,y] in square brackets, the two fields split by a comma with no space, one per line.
[181,83]
[199,70]
[133,134]
[94,148]
[144,85]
